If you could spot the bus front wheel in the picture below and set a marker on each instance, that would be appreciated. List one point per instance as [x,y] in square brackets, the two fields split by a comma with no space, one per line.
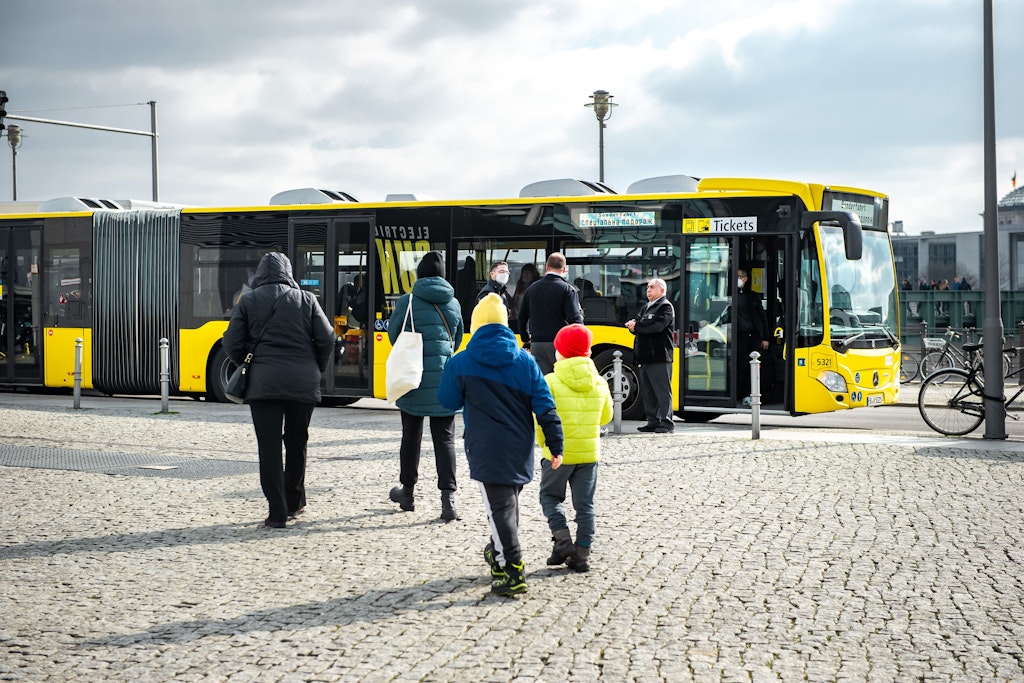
[217,376]
[632,406]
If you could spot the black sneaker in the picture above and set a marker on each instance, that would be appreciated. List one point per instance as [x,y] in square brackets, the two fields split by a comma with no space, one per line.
[664,430]
[647,428]
[513,582]
[491,558]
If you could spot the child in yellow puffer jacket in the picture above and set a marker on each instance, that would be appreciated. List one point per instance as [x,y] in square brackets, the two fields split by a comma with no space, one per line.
[584,403]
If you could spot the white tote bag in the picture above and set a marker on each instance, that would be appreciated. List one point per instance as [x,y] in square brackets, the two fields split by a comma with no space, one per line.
[404,367]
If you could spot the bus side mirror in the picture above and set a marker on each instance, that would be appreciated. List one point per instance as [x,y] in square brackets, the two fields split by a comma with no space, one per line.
[853,235]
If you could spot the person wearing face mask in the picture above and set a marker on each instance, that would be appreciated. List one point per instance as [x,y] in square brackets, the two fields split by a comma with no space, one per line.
[498,284]
[752,331]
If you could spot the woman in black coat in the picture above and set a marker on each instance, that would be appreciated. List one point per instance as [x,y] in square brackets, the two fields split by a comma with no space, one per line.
[284,377]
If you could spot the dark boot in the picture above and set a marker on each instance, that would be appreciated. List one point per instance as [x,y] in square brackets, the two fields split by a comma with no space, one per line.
[403,496]
[513,582]
[563,547]
[448,511]
[580,561]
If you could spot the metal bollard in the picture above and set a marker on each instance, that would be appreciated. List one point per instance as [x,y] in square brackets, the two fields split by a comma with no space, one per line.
[165,372]
[78,372]
[617,396]
[755,395]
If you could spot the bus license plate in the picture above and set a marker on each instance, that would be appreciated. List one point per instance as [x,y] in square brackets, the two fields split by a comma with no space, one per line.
[875,400]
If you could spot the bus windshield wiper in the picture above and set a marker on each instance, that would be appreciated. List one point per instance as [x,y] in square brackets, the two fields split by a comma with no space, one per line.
[845,343]
[893,339]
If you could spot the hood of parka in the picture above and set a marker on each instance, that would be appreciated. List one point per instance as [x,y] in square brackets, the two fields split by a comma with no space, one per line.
[274,268]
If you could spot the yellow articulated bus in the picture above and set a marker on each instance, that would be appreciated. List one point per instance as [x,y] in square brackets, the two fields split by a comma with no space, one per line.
[819,257]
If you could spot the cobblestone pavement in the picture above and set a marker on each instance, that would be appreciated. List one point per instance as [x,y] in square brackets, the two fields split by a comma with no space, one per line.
[822,556]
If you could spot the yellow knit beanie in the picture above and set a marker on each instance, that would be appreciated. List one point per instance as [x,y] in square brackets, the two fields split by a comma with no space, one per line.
[490,309]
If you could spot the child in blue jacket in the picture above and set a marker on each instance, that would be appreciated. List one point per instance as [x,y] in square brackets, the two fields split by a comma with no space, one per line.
[500,389]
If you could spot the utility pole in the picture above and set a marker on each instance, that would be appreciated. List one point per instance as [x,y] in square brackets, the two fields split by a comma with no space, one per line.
[152,134]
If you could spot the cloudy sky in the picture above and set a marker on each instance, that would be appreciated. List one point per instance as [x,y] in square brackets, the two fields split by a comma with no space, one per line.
[477,98]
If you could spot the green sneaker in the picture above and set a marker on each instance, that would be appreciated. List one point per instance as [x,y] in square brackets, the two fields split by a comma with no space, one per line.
[513,583]
[491,558]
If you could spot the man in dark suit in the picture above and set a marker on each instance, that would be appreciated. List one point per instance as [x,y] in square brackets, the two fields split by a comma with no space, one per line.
[654,329]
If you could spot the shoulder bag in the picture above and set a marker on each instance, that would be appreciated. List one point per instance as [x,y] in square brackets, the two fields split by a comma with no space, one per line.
[238,383]
[404,366]
[444,320]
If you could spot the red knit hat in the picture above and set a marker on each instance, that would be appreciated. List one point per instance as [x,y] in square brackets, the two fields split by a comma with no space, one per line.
[573,340]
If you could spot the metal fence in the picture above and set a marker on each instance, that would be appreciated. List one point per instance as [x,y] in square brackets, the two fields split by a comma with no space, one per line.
[937,311]
[926,316]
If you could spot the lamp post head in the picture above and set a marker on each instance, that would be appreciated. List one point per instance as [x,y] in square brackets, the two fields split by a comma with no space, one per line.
[602,105]
[14,136]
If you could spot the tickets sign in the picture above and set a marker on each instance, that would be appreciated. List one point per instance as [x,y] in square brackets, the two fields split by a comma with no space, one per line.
[720,226]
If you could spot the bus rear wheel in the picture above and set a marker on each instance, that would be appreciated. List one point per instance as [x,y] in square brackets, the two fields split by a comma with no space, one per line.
[217,376]
[632,406]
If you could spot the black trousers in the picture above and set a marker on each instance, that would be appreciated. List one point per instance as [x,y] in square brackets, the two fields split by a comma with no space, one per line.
[501,502]
[656,393]
[442,432]
[286,422]
[544,354]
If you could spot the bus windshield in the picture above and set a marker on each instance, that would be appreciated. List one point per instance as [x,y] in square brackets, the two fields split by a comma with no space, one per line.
[862,294]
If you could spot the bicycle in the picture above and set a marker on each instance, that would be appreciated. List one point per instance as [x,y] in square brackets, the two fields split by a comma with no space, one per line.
[949,356]
[952,400]
[910,368]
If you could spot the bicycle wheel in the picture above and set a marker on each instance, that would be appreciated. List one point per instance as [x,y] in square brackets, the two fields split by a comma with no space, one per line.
[935,361]
[909,368]
[951,402]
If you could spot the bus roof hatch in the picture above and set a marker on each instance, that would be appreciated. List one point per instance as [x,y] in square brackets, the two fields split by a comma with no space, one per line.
[565,187]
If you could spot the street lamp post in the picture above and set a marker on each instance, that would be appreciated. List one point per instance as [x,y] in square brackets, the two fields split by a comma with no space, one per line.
[602,105]
[14,140]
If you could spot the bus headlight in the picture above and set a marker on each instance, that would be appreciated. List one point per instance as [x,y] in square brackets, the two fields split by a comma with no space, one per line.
[833,381]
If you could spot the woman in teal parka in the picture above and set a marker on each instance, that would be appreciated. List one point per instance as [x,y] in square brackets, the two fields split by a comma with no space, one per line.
[437,316]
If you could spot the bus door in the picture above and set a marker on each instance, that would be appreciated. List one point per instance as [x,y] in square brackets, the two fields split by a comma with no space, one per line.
[332,259]
[704,322]
[711,352]
[20,305]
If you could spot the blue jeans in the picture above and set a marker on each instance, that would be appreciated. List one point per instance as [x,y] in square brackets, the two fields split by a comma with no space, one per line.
[582,482]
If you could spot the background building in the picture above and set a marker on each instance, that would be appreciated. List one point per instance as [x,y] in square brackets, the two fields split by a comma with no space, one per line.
[937,257]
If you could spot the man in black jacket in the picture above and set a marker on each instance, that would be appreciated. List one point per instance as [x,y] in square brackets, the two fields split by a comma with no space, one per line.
[752,332]
[549,304]
[654,329]
[498,284]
